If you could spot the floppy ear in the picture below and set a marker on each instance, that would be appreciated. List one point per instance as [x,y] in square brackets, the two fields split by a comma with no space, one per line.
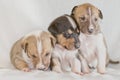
[53,40]
[72,12]
[24,45]
[53,28]
[100,14]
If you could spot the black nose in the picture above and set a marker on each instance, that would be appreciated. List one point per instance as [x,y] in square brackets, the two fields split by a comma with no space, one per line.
[77,42]
[90,30]
[77,45]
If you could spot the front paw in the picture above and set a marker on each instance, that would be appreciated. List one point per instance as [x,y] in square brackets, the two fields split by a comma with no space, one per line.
[79,73]
[57,69]
[26,70]
[87,71]
[101,71]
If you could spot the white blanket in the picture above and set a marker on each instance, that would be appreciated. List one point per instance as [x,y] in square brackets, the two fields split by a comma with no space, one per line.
[19,17]
[112,73]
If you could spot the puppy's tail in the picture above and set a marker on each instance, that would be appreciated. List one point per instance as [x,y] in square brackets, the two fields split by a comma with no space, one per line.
[113,62]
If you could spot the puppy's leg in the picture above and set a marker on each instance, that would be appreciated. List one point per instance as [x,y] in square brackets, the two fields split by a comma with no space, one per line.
[84,65]
[21,65]
[76,66]
[56,65]
[101,56]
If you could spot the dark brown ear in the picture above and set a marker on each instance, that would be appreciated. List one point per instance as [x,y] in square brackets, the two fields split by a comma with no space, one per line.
[100,14]
[72,12]
[53,28]
[24,45]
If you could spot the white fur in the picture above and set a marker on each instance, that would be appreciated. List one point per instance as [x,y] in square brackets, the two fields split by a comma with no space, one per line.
[67,58]
[35,33]
[72,22]
[27,60]
[39,47]
[94,51]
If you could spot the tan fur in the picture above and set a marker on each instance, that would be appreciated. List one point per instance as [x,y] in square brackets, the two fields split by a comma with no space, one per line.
[87,18]
[81,11]
[67,43]
[28,45]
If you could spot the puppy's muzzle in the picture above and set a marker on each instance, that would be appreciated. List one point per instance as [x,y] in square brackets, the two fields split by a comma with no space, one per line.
[75,36]
[41,67]
[77,42]
[91,29]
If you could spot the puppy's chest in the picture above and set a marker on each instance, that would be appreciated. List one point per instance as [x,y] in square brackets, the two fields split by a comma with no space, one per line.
[65,57]
[89,45]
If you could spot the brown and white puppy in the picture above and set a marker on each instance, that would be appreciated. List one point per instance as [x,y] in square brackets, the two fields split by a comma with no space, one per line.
[65,51]
[33,51]
[93,46]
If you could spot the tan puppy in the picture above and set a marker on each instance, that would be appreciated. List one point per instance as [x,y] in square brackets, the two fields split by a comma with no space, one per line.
[33,51]
[93,49]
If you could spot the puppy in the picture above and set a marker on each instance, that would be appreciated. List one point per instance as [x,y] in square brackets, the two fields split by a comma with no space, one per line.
[64,54]
[93,49]
[33,51]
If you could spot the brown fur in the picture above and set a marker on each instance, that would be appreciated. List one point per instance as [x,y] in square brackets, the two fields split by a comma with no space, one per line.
[60,26]
[29,46]
[81,16]
[87,16]
[67,43]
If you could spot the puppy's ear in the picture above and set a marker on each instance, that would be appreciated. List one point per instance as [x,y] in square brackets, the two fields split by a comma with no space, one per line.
[24,45]
[53,40]
[53,28]
[100,14]
[72,12]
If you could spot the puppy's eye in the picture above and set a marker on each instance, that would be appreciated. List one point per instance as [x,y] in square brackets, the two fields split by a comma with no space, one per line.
[34,56]
[67,35]
[47,54]
[96,19]
[82,18]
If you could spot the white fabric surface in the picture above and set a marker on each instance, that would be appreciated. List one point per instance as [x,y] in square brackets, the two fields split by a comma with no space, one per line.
[18,17]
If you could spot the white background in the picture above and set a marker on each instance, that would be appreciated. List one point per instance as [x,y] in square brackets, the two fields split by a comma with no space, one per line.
[18,17]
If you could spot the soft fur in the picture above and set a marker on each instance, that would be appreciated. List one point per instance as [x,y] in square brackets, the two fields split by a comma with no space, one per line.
[93,46]
[65,30]
[64,54]
[33,51]
[65,60]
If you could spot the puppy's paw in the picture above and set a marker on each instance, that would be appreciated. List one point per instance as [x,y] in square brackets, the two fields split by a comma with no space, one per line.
[101,71]
[26,70]
[87,72]
[57,69]
[79,73]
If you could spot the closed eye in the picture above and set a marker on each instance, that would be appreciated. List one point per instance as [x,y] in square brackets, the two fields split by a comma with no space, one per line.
[34,56]
[82,19]
[47,54]
[67,35]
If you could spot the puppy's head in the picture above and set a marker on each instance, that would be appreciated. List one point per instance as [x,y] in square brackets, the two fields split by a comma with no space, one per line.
[39,49]
[66,32]
[87,18]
